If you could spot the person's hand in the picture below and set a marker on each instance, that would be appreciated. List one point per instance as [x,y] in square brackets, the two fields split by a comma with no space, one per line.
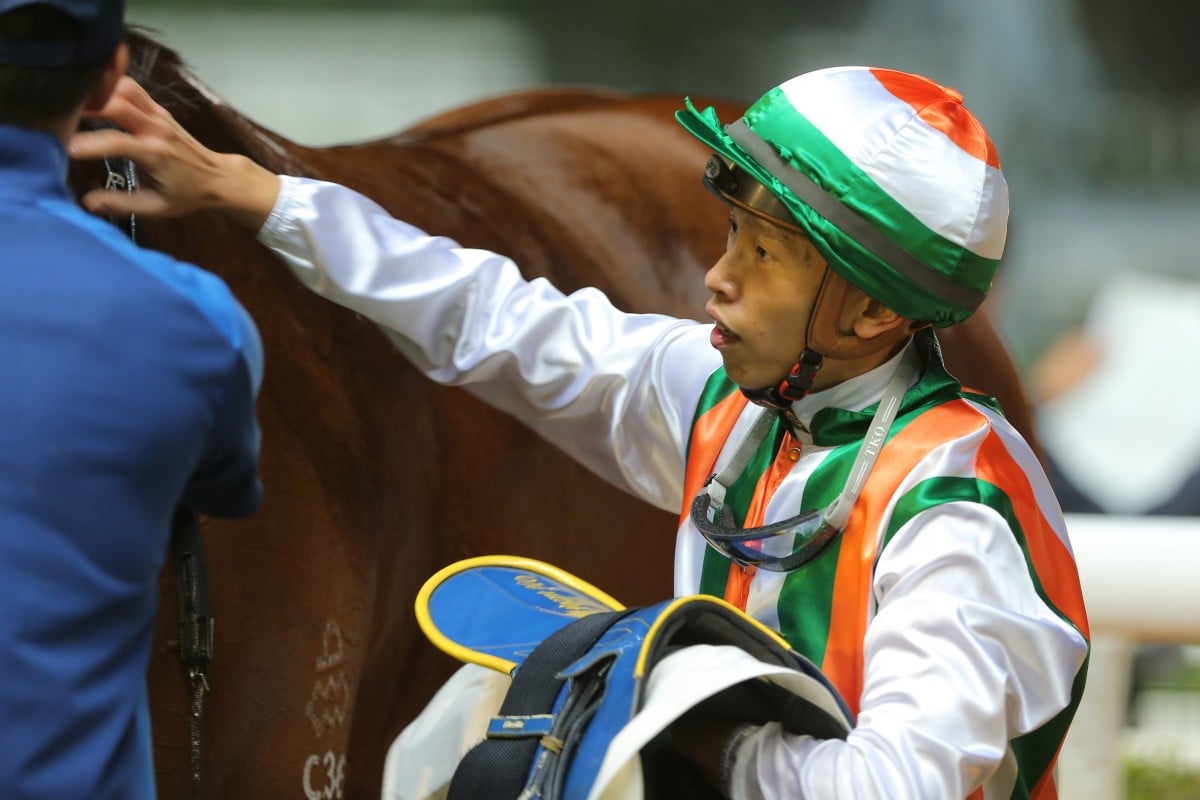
[179,175]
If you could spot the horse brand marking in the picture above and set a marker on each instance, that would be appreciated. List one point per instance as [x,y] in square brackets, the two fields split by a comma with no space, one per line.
[330,695]
[326,707]
[333,647]
[324,776]
[333,779]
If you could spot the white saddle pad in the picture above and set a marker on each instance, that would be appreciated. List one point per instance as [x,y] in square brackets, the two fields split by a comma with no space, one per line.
[422,759]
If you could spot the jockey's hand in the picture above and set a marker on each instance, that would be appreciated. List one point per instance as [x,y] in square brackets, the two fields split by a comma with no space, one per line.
[179,175]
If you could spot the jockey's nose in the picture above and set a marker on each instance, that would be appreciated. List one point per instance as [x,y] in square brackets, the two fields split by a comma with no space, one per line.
[720,278]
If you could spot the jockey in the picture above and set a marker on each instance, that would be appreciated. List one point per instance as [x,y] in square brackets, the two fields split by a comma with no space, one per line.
[833,480]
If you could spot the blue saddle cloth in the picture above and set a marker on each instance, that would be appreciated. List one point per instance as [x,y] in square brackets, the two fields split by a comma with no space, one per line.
[580,663]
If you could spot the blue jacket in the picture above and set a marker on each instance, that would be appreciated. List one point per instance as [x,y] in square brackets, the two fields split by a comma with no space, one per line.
[127,386]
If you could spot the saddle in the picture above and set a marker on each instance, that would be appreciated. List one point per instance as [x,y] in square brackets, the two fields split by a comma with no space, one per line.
[596,687]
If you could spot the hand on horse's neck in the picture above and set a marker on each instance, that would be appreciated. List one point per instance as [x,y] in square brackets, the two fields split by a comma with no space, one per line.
[248,193]
[184,175]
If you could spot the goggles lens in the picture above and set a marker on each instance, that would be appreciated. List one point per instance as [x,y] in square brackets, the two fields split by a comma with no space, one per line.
[780,547]
[797,541]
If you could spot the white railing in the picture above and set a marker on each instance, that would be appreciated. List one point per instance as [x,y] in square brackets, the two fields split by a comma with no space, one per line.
[1139,577]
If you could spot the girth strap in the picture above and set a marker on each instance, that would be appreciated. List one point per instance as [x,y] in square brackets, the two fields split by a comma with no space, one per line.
[499,766]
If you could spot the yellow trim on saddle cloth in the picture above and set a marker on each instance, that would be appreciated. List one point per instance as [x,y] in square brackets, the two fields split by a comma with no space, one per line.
[639,669]
[526,566]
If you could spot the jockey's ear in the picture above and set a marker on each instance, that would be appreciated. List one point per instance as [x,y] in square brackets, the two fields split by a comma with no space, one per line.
[849,324]
[873,319]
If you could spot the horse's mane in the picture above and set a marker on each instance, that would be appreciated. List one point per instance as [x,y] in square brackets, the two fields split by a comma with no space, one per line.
[158,68]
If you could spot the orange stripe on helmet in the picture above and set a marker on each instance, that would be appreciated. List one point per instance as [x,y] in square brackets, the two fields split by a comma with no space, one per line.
[928,99]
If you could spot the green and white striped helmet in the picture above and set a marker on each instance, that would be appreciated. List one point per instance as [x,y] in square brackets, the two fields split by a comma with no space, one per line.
[895,182]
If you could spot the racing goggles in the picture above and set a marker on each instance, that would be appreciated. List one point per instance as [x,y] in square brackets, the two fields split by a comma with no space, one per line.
[796,542]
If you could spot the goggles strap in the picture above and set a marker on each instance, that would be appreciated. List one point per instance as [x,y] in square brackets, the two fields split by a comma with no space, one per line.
[837,514]
[719,484]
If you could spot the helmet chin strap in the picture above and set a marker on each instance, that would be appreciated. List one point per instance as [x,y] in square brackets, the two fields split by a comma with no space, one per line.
[791,388]
[830,334]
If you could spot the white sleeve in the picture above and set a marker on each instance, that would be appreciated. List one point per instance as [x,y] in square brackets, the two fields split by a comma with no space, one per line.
[614,390]
[962,656]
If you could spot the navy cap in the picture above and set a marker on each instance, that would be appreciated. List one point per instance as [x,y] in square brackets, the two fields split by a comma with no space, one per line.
[101,25]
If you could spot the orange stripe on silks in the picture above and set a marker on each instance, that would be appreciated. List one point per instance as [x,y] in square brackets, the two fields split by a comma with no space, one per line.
[1053,562]
[708,435]
[843,662]
[950,119]
[976,795]
[1046,788]
[737,587]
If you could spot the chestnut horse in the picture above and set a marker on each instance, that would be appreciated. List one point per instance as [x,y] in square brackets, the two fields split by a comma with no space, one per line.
[374,476]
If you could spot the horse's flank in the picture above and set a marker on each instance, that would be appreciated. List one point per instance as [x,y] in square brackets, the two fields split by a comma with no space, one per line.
[375,477]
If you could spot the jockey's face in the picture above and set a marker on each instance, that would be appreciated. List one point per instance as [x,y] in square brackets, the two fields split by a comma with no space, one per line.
[763,289]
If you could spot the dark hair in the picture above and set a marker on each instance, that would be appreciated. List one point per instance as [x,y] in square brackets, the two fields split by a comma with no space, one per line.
[37,96]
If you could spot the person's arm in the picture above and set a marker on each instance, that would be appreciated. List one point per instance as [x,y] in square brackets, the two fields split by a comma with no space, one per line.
[182,176]
[614,390]
[962,656]
[226,481]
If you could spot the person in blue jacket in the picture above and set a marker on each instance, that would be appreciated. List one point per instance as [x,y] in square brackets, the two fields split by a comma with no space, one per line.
[127,390]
